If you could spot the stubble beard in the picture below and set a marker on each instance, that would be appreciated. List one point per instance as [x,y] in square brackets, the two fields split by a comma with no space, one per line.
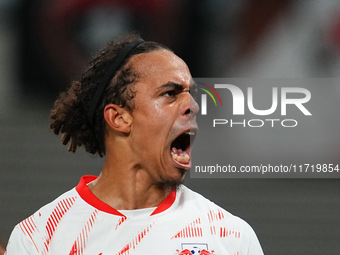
[173,183]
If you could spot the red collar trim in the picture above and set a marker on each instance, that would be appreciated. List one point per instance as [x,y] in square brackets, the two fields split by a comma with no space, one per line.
[86,194]
[167,202]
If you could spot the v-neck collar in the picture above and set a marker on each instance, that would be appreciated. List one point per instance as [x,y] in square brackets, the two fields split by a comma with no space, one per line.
[86,194]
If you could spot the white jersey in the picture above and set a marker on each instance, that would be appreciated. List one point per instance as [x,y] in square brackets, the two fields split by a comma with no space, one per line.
[77,223]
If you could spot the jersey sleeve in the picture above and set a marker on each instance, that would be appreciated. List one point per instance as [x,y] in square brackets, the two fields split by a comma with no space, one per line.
[19,243]
[250,244]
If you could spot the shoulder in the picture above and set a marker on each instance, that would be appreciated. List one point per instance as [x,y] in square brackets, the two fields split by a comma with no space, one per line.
[220,222]
[27,237]
[214,213]
[198,202]
[58,207]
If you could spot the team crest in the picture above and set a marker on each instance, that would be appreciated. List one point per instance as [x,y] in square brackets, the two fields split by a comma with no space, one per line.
[194,249]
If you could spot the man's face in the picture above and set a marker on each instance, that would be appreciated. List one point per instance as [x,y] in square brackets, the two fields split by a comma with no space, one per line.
[164,119]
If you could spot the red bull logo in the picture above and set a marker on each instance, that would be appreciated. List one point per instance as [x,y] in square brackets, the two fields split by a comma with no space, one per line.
[205,252]
[184,252]
[193,252]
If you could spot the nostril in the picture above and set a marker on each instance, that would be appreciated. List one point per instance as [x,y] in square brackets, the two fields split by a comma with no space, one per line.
[187,112]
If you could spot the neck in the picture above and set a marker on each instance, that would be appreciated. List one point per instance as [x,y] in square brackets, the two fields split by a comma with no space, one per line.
[127,187]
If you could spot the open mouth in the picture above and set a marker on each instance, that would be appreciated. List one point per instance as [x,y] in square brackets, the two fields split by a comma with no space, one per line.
[181,148]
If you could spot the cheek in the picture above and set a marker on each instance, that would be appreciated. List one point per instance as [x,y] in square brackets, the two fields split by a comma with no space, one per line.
[154,115]
[154,118]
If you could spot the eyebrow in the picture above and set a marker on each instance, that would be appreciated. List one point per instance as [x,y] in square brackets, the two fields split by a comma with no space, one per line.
[176,86]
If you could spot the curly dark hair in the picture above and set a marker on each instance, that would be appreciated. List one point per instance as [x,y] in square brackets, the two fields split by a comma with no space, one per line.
[69,114]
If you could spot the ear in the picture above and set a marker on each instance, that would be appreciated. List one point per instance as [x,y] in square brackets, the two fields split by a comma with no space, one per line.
[118,118]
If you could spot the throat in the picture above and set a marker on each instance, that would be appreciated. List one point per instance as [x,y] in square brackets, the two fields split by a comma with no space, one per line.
[128,197]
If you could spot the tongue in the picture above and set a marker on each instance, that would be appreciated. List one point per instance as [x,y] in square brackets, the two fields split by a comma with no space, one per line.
[180,156]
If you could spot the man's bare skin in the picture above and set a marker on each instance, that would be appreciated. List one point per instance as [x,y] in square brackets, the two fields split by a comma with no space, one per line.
[139,161]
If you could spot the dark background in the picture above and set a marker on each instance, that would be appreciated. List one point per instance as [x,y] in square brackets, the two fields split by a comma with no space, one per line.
[45,44]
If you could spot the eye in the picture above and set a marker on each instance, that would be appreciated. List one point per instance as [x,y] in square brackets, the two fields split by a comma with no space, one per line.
[170,93]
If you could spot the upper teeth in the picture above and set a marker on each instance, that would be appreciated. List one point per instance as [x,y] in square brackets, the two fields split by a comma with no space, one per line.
[190,133]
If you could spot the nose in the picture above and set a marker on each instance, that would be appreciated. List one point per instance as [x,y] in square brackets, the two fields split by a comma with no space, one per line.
[189,107]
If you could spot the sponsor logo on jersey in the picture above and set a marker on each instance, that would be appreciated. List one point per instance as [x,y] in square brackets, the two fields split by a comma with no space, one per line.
[201,252]
[195,249]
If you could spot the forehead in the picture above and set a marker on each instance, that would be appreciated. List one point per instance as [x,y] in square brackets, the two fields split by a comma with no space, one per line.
[160,67]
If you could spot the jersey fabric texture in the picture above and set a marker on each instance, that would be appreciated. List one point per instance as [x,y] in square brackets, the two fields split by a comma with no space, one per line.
[78,223]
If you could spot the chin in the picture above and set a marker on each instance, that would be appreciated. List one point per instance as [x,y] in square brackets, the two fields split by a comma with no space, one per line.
[175,181]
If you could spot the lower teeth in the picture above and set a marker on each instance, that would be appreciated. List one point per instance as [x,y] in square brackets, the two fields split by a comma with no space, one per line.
[182,158]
